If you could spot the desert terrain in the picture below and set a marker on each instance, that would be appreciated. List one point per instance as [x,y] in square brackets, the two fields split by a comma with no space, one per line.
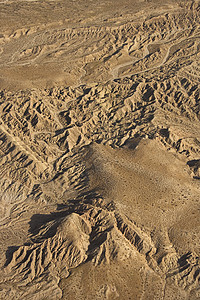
[100,150]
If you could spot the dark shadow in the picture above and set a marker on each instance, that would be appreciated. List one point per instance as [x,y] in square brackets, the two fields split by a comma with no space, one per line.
[196,177]
[62,206]
[65,118]
[132,143]
[9,254]
[194,163]
[196,274]
[77,205]
[164,132]
[148,95]
[39,222]
[183,260]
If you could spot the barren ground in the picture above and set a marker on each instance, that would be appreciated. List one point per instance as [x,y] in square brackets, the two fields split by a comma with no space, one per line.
[100,150]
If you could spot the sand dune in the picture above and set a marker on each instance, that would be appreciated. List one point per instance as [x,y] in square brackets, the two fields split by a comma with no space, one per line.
[100,150]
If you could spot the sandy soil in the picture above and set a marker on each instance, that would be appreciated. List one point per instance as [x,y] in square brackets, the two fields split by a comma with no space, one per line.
[100,150]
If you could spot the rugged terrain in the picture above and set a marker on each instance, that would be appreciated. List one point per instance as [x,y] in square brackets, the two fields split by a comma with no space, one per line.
[100,150]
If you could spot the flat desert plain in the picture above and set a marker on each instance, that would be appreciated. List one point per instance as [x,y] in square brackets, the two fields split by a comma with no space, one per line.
[99,150]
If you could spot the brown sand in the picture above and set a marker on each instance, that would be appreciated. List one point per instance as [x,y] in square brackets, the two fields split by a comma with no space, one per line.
[100,150]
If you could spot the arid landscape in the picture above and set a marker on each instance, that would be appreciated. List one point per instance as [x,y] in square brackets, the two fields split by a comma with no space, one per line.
[100,150]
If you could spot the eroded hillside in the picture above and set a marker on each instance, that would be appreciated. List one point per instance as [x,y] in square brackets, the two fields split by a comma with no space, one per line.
[100,150]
